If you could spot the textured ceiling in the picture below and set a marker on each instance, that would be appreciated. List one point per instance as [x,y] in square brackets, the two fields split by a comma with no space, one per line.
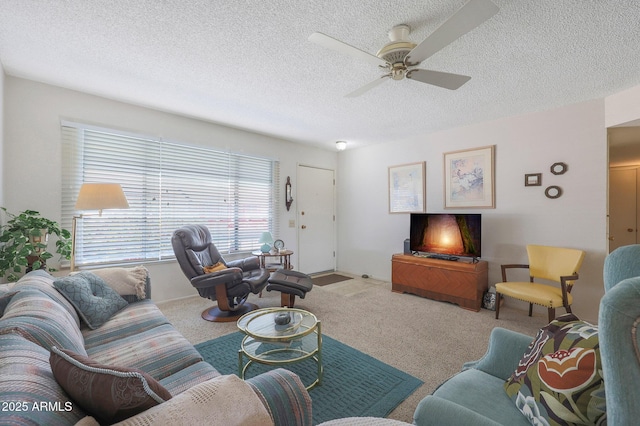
[249,64]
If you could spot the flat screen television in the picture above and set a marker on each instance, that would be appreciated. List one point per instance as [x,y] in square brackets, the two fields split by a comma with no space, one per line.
[446,236]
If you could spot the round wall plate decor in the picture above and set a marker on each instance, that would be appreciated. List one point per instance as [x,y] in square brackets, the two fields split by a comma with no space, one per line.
[553,191]
[559,168]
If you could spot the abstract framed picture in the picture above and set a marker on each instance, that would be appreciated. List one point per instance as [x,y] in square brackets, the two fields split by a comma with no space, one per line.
[407,188]
[469,178]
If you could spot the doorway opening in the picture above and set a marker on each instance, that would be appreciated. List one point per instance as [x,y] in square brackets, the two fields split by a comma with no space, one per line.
[624,185]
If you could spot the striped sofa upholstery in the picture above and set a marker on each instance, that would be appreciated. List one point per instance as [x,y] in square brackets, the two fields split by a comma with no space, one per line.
[39,317]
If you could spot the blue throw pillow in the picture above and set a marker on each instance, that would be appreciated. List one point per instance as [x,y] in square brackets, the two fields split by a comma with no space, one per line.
[94,300]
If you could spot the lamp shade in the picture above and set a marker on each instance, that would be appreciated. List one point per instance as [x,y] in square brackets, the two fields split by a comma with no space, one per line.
[99,196]
[341,145]
[266,239]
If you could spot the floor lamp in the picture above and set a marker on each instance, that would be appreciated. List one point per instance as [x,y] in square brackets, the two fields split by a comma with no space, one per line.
[96,196]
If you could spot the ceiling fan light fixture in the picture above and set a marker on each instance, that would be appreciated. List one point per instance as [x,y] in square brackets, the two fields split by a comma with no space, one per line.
[399,46]
[395,52]
[398,57]
[399,33]
[341,145]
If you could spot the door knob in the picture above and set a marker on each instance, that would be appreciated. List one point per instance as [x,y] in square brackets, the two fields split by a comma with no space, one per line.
[611,238]
[304,226]
[630,229]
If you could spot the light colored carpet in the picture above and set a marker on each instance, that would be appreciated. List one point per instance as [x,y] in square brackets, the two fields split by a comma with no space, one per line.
[427,339]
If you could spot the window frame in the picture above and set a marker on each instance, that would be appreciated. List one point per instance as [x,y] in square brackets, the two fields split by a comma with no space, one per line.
[168,184]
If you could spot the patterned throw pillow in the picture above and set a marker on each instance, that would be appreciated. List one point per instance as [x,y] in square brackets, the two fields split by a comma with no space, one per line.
[108,393]
[94,300]
[559,379]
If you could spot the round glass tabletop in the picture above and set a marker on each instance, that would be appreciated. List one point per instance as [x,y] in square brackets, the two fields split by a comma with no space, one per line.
[277,324]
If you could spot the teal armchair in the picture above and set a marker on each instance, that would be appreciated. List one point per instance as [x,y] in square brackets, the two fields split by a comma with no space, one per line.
[618,329]
[476,395]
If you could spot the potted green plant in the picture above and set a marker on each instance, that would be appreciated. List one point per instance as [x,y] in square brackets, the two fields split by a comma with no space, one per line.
[23,240]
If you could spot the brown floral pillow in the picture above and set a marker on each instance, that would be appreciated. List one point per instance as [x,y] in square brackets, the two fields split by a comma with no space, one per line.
[559,379]
[108,393]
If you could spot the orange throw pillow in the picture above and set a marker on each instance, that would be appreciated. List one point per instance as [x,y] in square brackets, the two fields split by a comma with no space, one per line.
[214,268]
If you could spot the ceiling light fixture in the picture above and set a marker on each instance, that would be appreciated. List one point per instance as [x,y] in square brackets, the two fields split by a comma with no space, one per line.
[341,145]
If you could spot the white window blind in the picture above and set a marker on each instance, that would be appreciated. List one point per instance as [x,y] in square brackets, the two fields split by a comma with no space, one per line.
[167,185]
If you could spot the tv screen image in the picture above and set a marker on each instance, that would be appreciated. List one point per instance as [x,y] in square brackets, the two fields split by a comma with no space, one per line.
[446,234]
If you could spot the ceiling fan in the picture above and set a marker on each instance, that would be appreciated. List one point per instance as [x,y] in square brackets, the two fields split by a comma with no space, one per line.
[400,56]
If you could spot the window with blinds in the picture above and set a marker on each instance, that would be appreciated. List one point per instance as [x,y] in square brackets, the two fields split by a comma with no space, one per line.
[167,185]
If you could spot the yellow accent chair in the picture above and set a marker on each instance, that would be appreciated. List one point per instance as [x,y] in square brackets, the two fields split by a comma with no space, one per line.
[560,265]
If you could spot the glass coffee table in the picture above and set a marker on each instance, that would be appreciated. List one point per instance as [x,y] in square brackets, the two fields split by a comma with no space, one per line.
[280,337]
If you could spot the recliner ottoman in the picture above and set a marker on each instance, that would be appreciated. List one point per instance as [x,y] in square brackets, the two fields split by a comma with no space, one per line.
[290,284]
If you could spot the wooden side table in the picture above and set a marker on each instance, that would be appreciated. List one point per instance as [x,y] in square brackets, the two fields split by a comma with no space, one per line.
[283,259]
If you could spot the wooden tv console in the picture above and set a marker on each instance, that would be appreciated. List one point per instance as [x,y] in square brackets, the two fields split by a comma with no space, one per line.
[461,282]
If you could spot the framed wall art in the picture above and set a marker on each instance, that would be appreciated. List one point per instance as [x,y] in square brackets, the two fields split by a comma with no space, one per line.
[533,179]
[407,188]
[469,178]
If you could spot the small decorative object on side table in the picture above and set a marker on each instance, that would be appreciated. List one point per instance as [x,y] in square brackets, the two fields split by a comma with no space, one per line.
[271,341]
[284,259]
[266,239]
[282,319]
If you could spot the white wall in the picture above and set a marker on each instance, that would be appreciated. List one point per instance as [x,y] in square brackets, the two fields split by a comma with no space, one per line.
[368,235]
[623,107]
[32,166]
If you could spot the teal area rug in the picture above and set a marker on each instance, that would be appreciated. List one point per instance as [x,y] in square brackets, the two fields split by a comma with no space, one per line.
[354,384]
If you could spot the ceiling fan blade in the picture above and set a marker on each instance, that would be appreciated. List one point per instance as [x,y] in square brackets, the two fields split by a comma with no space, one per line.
[472,14]
[368,86]
[342,47]
[437,78]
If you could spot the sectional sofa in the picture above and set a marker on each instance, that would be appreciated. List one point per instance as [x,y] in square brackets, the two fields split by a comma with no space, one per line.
[65,358]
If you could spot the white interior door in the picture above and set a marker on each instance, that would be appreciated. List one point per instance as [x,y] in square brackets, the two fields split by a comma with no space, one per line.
[623,227]
[316,220]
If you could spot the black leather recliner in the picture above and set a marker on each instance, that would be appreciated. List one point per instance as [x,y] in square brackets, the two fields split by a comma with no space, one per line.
[230,286]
